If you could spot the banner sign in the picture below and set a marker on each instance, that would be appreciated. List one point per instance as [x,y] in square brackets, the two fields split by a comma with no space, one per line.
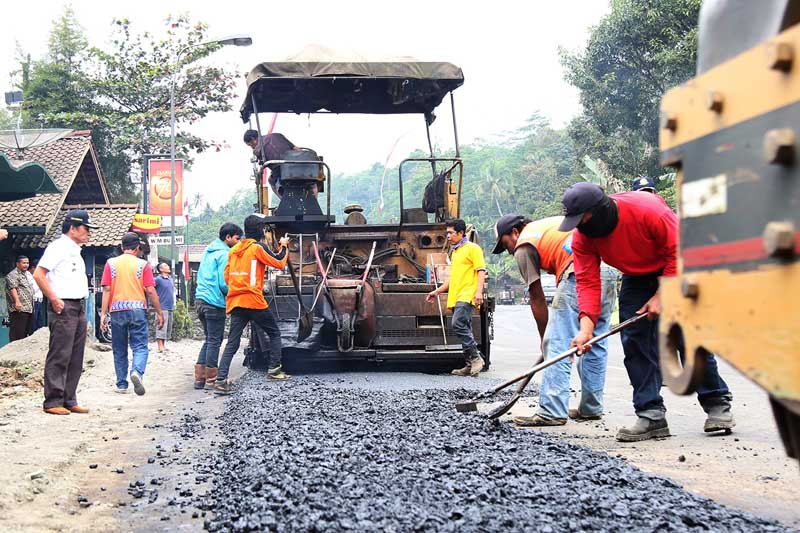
[160,187]
[144,223]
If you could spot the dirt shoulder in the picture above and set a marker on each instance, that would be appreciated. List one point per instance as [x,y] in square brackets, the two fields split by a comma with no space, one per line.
[74,473]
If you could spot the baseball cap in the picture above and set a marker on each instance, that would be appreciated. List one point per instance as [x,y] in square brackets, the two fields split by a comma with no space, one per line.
[503,226]
[81,216]
[644,183]
[577,200]
[131,239]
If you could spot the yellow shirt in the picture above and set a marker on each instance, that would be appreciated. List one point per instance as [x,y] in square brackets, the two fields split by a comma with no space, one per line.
[466,261]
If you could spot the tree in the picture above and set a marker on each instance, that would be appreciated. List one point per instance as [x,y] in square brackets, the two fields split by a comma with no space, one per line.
[636,53]
[122,94]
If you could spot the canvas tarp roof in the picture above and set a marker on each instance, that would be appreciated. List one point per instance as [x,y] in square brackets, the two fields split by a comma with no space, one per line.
[322,80]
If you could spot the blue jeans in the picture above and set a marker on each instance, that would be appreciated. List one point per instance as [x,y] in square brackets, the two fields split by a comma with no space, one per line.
[640,343]
[562,327]
[213,320]
[129,327]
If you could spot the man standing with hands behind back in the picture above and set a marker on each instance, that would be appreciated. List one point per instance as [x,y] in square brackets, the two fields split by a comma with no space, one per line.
[61,274]
[464,292]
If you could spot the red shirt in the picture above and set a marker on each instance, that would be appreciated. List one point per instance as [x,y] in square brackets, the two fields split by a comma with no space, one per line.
[644,242]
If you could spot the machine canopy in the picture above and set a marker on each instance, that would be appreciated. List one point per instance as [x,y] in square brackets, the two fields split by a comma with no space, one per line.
[319,80]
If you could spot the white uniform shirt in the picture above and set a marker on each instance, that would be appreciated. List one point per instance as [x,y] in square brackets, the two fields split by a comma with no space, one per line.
[66,268]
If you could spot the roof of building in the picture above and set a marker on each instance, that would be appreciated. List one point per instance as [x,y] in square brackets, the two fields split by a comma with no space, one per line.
[114,220]
[72,163]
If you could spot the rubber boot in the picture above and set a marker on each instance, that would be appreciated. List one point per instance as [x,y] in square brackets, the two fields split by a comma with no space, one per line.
[720,418]
[211,376]
[199,376]
[644,429]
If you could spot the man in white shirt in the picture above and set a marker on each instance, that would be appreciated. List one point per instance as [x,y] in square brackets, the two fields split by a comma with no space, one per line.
[61,275]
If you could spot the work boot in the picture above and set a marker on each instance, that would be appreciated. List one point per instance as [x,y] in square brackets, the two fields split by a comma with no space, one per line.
[223,388]
[277,373]
[576,415]
[476,365]
[211,376]
[538,420]
[463,371]
[644,429]
[199,376]
[719,418]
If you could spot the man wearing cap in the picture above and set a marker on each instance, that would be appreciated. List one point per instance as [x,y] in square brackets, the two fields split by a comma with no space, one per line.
[61,275]
[464,292]
[125,281]
[539,246]
[644,183]
[19,298]
[636,233]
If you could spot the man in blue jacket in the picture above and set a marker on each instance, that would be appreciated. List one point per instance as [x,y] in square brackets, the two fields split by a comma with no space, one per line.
[210,302]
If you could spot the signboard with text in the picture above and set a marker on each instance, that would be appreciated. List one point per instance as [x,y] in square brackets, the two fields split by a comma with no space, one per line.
[165,240]
[144,223]
[159,187]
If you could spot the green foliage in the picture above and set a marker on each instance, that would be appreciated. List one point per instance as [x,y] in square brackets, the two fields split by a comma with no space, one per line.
[181,322]
[122,93]
[636,53]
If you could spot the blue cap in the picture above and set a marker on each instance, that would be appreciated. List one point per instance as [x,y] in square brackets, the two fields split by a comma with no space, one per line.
[644,183]
[577,200]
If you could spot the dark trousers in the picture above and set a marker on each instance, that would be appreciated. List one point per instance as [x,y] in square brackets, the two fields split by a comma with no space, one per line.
[264,318]
[64,362]
[640,344]
[20,325]
[462,326]
[213,321]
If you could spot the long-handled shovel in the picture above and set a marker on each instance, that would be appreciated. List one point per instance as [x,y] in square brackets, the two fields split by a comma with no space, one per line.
[472,404]
[305,320]
[438,301]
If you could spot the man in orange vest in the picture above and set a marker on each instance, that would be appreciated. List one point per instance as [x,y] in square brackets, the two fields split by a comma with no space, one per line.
[539,245]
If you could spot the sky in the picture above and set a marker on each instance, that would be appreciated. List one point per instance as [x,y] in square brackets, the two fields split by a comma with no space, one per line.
[507,50]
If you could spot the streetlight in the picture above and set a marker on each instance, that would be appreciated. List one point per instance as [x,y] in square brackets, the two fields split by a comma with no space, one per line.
[235,40]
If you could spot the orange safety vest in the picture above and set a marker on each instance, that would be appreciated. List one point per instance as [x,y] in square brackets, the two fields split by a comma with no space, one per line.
[554,247]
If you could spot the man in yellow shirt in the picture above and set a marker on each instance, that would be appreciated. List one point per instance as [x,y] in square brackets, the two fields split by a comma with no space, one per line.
[464,292]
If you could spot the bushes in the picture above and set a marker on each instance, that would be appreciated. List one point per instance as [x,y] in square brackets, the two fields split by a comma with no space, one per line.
[181,322]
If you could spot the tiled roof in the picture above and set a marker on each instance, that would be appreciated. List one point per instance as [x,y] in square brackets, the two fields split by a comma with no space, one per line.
[114,220]
[62,159]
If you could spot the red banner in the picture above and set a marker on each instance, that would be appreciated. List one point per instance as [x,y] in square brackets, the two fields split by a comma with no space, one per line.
[160,187]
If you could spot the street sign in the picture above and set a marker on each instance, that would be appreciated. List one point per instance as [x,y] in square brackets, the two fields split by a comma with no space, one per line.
[165,240]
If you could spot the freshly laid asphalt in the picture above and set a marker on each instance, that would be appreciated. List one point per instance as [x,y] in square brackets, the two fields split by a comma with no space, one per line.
[388,452]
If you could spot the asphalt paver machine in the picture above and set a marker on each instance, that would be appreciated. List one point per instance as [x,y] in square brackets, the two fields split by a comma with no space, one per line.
[732,133]
[362,285]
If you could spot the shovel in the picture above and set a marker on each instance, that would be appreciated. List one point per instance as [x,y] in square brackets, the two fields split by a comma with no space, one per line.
[324,271]
[305,320]
[472,404]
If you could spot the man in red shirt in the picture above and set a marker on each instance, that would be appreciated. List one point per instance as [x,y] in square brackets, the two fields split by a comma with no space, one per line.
[635,232]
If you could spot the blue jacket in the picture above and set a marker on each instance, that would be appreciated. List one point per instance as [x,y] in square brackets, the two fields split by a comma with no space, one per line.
[211,287]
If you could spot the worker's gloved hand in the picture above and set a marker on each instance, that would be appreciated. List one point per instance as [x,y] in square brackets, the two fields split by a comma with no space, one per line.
[652,307]
[284,241]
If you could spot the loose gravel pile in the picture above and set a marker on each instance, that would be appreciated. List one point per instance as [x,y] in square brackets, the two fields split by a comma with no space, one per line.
[323,454]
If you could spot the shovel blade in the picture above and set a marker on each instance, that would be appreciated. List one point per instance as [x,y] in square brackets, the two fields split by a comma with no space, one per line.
[304,326]
[500,410]
[467,407]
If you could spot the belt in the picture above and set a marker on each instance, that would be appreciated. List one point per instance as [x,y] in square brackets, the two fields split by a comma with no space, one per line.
[72,299]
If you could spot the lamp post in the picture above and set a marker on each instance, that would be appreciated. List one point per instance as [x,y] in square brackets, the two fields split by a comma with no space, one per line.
[235,40]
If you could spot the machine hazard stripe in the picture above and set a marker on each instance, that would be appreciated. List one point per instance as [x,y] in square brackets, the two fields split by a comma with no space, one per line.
[743,253]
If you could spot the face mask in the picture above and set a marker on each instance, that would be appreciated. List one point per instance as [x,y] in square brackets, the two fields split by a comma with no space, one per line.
[604,219]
